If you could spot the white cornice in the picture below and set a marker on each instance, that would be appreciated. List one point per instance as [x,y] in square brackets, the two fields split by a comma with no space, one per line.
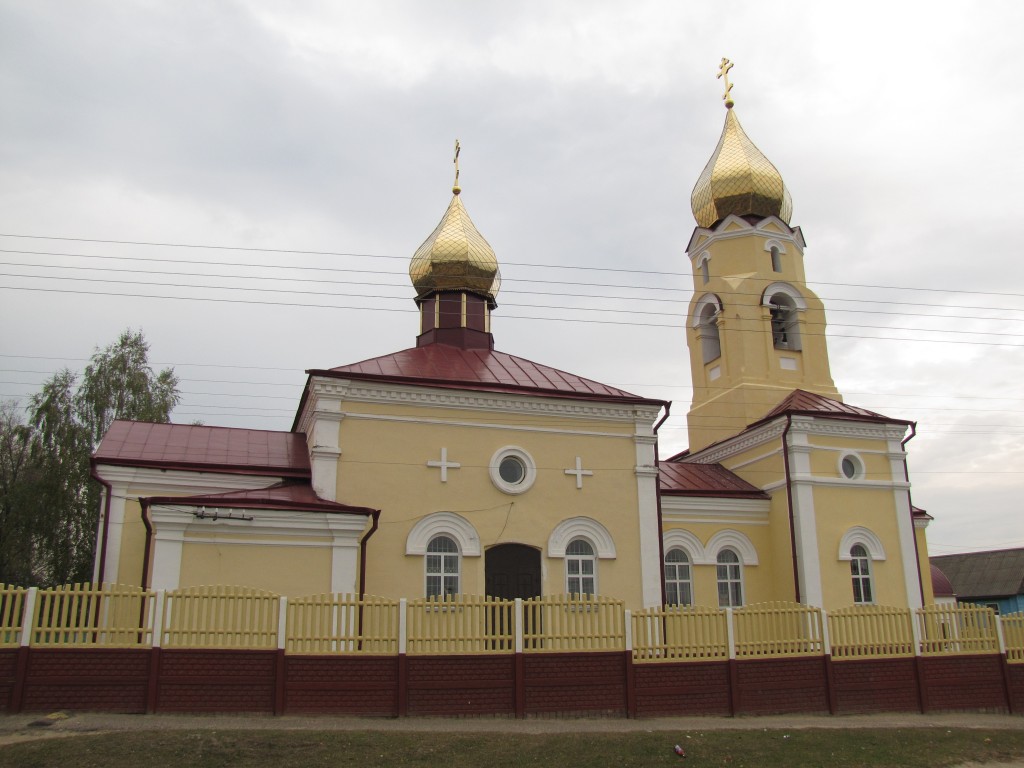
[287,524]
[705,237]
[354,391]
[721,511]
[486,425]
[739,443]
[150,481]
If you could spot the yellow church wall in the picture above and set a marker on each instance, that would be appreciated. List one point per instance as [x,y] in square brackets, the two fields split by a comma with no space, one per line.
[924,566]
[383,464]
[840,508]
[269,564]
[133,543]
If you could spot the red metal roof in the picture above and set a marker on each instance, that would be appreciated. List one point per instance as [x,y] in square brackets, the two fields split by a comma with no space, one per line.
[442,365]
[208,449]
[288,495]
[678,479]
[801,401]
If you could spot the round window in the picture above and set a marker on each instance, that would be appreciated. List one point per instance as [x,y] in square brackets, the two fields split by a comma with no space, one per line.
[512,470]
[851,467]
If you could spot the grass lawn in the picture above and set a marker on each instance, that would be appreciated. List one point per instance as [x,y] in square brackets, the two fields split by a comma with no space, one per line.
[284,749]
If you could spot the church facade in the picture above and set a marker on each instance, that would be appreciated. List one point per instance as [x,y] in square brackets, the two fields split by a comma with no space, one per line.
[454,468]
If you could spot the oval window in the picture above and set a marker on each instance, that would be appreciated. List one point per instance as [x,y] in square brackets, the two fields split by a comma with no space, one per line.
[512,470]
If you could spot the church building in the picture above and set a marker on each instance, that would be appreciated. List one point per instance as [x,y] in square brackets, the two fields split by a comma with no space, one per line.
[451,467]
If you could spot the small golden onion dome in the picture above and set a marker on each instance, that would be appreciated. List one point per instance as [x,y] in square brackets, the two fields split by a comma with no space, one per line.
[739,179]
[455,257]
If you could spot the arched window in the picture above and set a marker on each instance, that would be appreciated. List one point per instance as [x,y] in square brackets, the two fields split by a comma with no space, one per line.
[860,572]
[785,326]
[705,273]
[443,564]
[678,580]
[730,579]
[776,259]
[580,568]
[710,341]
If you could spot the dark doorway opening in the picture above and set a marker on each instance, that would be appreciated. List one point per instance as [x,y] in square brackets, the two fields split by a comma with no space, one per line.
[511,571]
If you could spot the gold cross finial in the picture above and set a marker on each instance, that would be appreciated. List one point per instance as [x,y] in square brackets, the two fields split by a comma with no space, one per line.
[456,188]
[723,72]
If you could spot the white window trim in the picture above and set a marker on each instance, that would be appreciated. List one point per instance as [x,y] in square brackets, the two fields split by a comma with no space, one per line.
[776,244]
[866,538]
[689,564]
[446,524]
[686,541]
[742,581]
[698,308]
[734,540]
[858,462]
[784,288]
[458,560]
[868,577]
[581,528]
[529,464]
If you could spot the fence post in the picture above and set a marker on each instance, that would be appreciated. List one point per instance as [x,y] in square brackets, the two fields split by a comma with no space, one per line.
[24,641]
[403,672]
[279,661]
[630,679]
[519,673]
[156,641]
[734,680]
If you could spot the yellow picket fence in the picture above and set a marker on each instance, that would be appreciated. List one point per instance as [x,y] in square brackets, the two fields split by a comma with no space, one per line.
[680,633]
[1013,636]
[12,607]
[948,630]
[220,617]
[573,623]
[83,616]
[342,624]
[871,631]
[464,624]
[776,629]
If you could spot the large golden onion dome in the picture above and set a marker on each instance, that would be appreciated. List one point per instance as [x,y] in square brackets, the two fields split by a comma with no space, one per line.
[455,257]
[739,179]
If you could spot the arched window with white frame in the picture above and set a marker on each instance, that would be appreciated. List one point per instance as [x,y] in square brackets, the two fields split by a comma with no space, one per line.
[705,322]
[678,577]
[580,568]
[729,569]
[784,304]
[443,567]
[860,573]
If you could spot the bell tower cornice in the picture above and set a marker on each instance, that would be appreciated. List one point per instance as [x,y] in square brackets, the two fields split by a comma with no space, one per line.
[733,227]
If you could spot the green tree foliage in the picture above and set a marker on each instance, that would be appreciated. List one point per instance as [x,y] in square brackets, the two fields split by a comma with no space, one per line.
[50,505]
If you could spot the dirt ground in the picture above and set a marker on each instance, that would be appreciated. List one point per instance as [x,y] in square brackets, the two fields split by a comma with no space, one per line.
[28,727]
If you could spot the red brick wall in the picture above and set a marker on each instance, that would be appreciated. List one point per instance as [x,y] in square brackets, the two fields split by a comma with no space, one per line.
[875,685]
[111,680]
[1015,681]
[696,688]
[8,666]
[343,685]
[575,683]
[963,682]
[460,685]
[780,686]
[216,681]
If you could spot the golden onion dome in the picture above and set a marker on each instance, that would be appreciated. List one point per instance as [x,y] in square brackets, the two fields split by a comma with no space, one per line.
[455,257]
[739,179]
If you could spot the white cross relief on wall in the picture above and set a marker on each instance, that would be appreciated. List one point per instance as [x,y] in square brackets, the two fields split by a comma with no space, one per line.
[580,472]
[444,465]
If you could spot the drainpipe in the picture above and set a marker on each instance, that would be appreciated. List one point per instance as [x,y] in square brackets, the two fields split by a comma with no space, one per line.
[149,543]
[789,499]
[102,543]
[657,492]
[910,501]
[362,554]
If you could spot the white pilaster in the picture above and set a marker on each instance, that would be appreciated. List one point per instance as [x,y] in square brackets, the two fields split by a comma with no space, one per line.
[647,512]
[805,528]
[905,528]
[168,541]
[346,531]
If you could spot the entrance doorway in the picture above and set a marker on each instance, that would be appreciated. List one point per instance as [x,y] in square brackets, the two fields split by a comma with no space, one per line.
[511,571]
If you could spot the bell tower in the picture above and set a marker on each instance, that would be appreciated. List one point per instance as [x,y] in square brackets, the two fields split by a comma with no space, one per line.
[755,331]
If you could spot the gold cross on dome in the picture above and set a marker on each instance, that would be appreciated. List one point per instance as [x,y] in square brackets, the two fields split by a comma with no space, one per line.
[723,72]
[455,187]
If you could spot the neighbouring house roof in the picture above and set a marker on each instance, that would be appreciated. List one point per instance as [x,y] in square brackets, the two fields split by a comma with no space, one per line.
[442,365]
[941,586]
[292,495]
[678,479]
[204,449]
[999,573]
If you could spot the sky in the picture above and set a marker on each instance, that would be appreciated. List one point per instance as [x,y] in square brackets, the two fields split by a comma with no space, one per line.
[245,182]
